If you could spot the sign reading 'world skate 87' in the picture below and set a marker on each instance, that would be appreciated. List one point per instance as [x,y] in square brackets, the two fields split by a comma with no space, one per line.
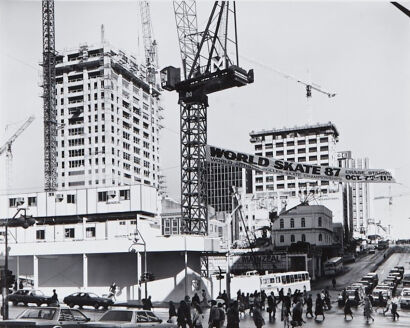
[300,170]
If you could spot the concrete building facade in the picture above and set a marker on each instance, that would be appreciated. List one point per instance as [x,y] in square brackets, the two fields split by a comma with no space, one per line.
[108,119]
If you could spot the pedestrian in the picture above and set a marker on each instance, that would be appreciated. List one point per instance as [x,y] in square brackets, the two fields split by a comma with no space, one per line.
[387,308]
[319,307]
[183,315]
[380,299]
[54,299]
[357,297]
[286,314]
[257,316]
[348,309]
[171,312]
[204,301]
[21,286]
[334,282]
[15,285]
[297,314]
[271,306]
[197,316]
[232,316]
[111,291]
[251,303]
[344,295]
[147,304]
[394,309]
[221,315]
[214,316]
[309,306]
[195,299]
[263,299]
[368,309]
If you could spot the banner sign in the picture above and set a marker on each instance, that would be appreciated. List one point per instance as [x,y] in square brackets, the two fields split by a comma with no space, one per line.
[300,170]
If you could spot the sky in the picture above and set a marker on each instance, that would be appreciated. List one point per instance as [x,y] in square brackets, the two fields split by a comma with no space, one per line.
[359,50]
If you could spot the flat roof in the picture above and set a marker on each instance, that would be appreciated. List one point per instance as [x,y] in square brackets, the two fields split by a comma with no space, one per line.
[303,128]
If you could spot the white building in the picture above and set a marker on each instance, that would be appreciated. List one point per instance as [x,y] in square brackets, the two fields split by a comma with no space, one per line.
[313,144]
[84,240]
[108,119]
[307,223]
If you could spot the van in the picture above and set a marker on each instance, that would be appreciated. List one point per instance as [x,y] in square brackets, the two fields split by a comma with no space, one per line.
[406,278]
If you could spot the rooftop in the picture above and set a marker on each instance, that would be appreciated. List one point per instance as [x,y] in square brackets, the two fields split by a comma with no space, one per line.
[304,128]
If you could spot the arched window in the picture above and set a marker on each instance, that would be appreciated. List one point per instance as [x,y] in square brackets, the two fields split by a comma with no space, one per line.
[303,223]
[292,223]
[292,238]
[320,237]
[303,237]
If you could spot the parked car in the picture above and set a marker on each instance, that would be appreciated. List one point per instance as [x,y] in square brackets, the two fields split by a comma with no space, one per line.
[406,278]
[130,318]
[87,299]
[47,317]
[372,250]
[349,258]
[397,275]
[372,279]
[400,269]
[27,296]
[405,298]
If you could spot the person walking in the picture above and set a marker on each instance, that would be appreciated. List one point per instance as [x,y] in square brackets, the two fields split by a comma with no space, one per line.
[394,309]
[54,299]
[197,316]
[309,306]
[348,309]
[271,306]
[195,299]
[319,307]
[297,314]
[184,315]
[221,315]
[214,316]
[257,316]
[21,286]
[368,309]
[204,301]
[286,315]
[171,312]
[232,316]
[111,291]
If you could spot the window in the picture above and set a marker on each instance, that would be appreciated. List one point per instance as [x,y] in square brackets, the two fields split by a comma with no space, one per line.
[12,202]
[282,238]
[303,223]
[319,223]
[281,224]
[301,150]
[320,237]
[70,199]
[90,232]
[292,223]
[324,148]
[41,234]
[301,142]
[279,153]
[303,237]
[125,194]
[312,141]
[102,196]
[280,178]
[292,238]
[290,143]
[69,233]
[32,201]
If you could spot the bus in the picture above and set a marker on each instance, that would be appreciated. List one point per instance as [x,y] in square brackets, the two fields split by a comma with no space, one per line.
[289,281]
[333,266]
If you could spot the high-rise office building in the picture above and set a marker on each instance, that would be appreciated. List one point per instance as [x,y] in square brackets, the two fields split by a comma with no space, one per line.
[108,119]
[313,144]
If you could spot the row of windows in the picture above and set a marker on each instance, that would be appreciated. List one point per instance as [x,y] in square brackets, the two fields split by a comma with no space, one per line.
[303,238]
[292,143]
[302,223]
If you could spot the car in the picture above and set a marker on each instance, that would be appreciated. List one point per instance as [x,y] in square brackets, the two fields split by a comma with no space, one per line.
[405,298]
[385,286]
[372,279]
[397,275]
[27,296]
[349,258]
[400,269]
[372,250]
[406,278]
[47,317]
[367,285]
[130,318]
[386,293]
[87,299]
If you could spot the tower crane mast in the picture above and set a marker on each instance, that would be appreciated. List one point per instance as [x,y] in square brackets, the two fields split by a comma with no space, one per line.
[207,68]
[150,45]
[49,98]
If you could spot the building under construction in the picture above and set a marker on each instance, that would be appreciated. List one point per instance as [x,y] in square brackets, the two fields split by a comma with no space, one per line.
[108,119]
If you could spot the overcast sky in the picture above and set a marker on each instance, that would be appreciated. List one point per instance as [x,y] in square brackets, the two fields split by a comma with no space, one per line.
[360,50]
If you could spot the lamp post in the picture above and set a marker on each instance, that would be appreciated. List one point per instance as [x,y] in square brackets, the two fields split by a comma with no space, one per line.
[136,242]
[25,222]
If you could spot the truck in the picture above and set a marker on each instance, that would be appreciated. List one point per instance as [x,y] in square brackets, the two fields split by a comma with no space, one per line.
[382,244]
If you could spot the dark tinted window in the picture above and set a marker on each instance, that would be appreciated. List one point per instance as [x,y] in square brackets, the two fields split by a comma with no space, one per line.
[42,314]
[117,316]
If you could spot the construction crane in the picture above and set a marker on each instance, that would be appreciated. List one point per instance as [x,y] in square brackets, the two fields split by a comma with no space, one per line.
[150,45]
[401,8]
[206,68]
[6,148]
[309,86]
[49,97]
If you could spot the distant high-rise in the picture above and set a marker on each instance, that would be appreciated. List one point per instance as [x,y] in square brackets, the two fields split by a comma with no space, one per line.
[108,119]
[313,144]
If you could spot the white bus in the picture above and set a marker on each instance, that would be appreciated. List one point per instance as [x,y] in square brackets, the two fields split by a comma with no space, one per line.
[274,282]
[333,266]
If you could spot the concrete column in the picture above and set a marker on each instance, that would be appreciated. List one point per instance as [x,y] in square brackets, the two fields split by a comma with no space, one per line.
[35,271]
[85,270]
[84,228]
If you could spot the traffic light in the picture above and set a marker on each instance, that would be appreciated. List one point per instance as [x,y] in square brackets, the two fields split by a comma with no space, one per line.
[7,279]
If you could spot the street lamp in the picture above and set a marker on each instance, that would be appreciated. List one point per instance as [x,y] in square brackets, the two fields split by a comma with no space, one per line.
[25,222]
[137,242]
